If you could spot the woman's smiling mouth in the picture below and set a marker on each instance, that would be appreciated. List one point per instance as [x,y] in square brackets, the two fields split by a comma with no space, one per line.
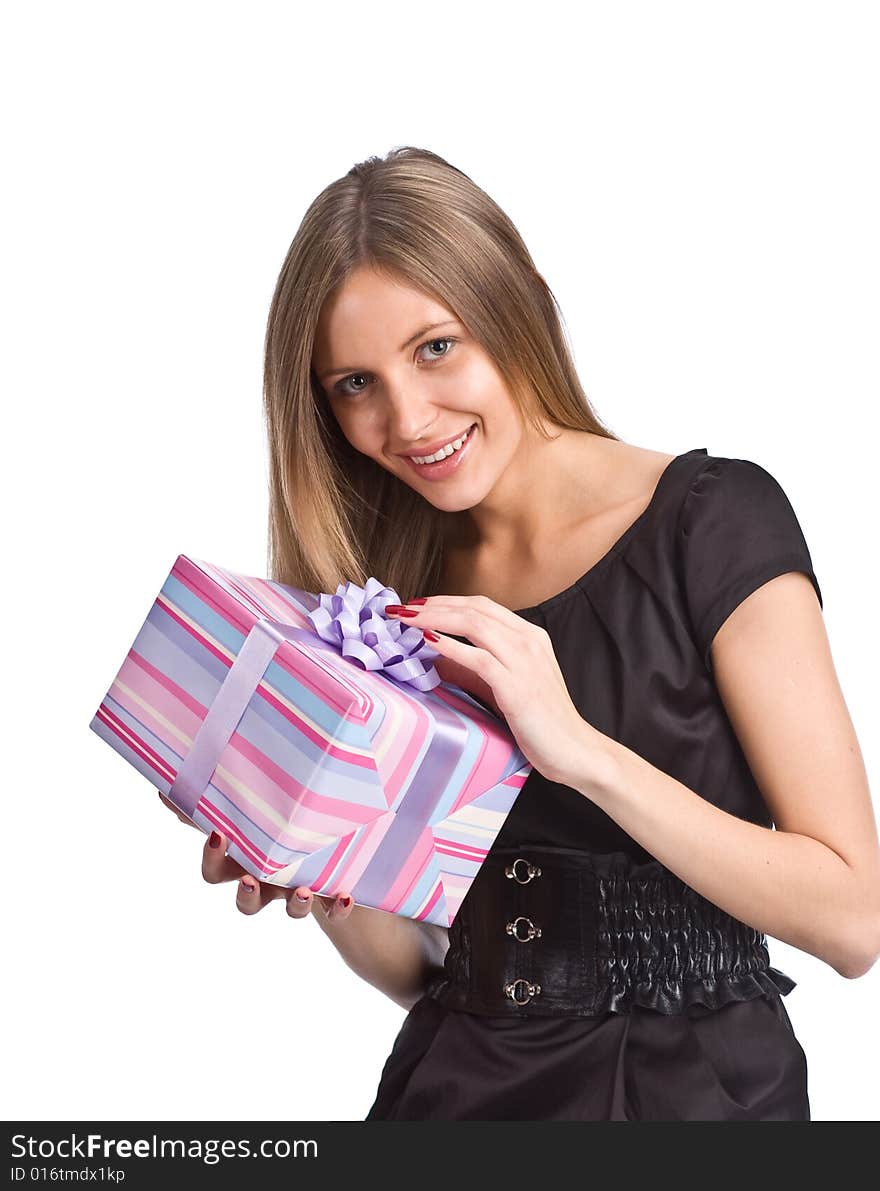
[445,461]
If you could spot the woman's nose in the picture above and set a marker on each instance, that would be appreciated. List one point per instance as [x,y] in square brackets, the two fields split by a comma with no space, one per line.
[410,421]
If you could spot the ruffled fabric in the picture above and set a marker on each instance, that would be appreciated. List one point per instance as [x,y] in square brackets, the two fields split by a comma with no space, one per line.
[662,946]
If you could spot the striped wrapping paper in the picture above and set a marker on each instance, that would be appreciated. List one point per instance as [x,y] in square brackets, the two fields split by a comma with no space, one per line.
[332,776]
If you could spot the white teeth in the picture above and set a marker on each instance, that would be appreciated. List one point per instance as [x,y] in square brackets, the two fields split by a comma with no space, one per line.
[443,452]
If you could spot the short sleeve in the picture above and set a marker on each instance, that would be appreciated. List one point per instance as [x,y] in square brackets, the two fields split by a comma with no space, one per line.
[736,530]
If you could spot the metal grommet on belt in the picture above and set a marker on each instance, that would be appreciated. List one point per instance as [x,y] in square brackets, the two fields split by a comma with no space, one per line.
[532,931]
[532,870]
[532,990]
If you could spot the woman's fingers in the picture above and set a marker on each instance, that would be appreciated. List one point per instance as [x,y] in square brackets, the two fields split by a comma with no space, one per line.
[335,908]
[300,901]
[216,865]
[252,895]
[183,818]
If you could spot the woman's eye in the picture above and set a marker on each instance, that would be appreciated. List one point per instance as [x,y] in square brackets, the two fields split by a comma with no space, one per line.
[445,339]
[342,386]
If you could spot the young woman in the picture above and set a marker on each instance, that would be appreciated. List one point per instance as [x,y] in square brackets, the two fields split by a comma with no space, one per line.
[650,627]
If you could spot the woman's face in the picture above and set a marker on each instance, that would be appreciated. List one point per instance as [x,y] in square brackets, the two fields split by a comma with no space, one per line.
[402,375]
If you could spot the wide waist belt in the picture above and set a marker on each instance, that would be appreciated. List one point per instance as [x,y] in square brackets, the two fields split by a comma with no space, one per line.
[547,931]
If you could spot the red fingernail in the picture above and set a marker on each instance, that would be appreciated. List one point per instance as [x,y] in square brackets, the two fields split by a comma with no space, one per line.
[213,840]
[420,600]
[345,901]
[407,612]
[300,898]
[247,886]
[430,636]
[391,608]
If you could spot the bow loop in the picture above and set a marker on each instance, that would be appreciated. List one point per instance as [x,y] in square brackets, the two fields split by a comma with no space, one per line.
[353,619]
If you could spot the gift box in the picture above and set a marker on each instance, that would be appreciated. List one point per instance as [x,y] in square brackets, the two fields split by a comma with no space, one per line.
[315,734]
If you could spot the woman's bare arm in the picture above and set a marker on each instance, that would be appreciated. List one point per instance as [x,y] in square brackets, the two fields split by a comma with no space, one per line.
[814,881]
[394,954]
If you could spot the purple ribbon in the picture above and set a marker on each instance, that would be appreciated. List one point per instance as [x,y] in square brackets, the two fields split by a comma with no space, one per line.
[354,621]
[229,705]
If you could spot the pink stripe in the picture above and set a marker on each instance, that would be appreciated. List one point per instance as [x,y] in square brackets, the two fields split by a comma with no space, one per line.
[335,855]
[474,783]
[288,657]
[123,729]
[225,605]
[178,693]
[278,605]
[245,594]
[269,606]
[194,631]
[258,774]
[366,844]
[453,700]
[159,709]
[516,780]
[216,816]
[493,755]
[260,597]
[411,871]
[262,689]
[328,746]
[414,727]
[210,593]
[133,742]
[434,899]
[470,854]
[497,752]
[278,599]
[453,843]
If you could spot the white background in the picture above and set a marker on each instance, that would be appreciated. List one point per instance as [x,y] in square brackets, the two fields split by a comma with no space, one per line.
[699,185]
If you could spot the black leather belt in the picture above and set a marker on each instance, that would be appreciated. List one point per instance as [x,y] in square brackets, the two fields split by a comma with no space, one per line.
[547,931]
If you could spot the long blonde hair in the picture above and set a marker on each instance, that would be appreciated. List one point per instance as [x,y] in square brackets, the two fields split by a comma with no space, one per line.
[335,514]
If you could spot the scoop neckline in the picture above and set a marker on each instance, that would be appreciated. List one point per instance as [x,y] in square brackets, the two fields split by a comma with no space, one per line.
[618,545]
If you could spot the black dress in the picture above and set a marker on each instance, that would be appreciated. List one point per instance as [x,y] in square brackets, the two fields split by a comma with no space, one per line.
[632,638]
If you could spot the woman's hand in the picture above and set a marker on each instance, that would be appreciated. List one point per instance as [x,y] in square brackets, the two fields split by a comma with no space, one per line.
[251,894]
[511,665]
[183,818]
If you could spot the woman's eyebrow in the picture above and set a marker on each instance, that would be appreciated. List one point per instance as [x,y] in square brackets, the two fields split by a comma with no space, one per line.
[417,335]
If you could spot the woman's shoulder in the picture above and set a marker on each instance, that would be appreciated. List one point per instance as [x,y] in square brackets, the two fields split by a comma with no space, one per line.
[718,490]
[735,530]
[713,510]
[724,492]
[727,512]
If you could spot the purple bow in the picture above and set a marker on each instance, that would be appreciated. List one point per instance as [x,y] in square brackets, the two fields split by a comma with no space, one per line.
[354,621]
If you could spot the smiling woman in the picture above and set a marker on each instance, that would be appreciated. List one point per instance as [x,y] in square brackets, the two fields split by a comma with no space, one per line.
[407,310]
[418,411]
[426,425]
